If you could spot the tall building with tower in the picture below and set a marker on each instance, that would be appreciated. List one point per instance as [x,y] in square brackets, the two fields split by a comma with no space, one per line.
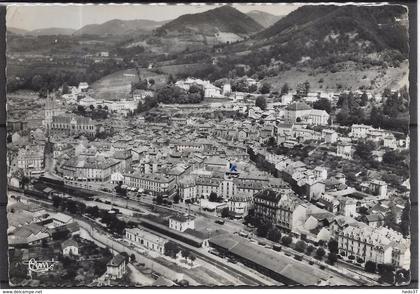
[51,109]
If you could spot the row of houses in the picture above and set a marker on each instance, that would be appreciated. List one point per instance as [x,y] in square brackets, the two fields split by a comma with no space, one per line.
[289,213]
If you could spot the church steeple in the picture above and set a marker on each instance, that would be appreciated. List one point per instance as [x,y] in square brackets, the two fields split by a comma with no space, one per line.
[50,110]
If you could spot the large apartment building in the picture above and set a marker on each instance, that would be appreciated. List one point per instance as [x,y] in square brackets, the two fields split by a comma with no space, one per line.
[380,245]
[90,169]
[31,158]
[281,208]
[156,183]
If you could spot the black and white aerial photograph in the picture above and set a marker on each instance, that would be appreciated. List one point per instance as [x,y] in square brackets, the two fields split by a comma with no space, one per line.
[208,145]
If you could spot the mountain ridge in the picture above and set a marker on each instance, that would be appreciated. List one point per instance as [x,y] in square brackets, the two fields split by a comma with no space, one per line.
[265,19]
[224,19]
[119,27]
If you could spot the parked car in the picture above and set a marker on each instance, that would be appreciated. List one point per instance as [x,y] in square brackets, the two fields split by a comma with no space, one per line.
[215,252]
[276,247]
[220,221]
[243,234]
[232,260]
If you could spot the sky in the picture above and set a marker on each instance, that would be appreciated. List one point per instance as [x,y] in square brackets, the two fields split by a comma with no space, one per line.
[31,16]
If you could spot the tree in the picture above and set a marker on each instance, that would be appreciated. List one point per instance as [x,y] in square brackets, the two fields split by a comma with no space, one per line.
[286,240]
[284,89]
[240,86]
[274,234]
[185,253]
[344,114]
[159,199]
[60,235]
[364,99]
[192,258]
[392,179]
[370,266]
[265,88]
[300,246]
[252,88]
[171,79]
[390,218]
[310,249]
[261,103]
[392,106]
[307,86]
[213,197]
[320,252]
[364,149]
[393,158]
[272,142]
[333,246]
[225,212]
[176,198]
[66,88]
[387,272]
[196,89]
[323,104]
[140,85]
[332,258]
[125,255]
[363,210]
[92,108]
[171,249]
[132,257]
[250,217]
[81,109]
[262,229]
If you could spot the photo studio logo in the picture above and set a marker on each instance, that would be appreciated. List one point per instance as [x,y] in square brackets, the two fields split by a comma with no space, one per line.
[233,168]
[43,266]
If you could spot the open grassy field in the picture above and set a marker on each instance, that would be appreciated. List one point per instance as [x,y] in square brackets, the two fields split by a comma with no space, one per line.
[183,68]
[118,85]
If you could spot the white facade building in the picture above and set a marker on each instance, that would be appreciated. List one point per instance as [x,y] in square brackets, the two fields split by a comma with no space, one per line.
[181,223]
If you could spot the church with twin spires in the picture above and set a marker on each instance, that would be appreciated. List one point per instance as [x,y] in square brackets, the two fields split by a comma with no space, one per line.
[56,121]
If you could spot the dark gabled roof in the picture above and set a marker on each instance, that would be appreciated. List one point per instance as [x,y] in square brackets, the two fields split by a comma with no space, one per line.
[181,218]
[295,106]
[374,217]
[324,216]
[268,195]
[68,243]
[117,260]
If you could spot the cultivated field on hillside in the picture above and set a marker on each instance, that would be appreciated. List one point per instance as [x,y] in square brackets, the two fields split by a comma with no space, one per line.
[350,78]
[185,69]
[118,85]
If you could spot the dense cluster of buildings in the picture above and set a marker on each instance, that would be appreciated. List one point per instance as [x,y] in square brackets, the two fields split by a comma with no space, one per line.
[189,153]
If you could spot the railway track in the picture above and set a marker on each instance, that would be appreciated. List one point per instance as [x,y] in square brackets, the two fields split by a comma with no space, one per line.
[247,279]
